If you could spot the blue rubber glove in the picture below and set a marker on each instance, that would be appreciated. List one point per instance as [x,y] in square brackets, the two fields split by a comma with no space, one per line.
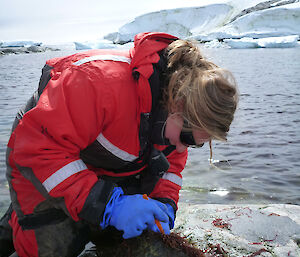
[171,214]
[132,213]
[167,226]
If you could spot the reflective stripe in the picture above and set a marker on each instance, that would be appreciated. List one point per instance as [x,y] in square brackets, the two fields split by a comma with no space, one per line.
[105,57]
[64,173]
[115,150]
[173,178]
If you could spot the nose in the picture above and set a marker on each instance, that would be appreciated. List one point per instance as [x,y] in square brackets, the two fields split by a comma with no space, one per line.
[180,148]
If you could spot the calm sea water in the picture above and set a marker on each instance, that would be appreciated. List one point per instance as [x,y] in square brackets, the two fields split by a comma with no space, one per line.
[260,163]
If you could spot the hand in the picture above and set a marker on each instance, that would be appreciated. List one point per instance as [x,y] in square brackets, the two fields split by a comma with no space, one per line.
[171,213]
[166,226]
[132,213]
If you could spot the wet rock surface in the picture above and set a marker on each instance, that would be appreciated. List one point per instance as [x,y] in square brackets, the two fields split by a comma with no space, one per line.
[149,244]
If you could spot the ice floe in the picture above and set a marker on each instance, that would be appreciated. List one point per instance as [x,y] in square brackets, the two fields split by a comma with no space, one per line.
[100,44]
[269,42]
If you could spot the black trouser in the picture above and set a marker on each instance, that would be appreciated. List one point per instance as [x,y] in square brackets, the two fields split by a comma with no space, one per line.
[6,241]
[65,238]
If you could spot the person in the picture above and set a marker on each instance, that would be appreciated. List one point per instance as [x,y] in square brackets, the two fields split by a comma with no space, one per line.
[102,142]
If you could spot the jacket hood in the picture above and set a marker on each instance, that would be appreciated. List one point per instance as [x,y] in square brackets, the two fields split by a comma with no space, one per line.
[143,55]
[146,48]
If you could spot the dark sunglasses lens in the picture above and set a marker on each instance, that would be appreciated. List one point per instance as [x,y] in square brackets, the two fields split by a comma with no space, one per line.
[187,138]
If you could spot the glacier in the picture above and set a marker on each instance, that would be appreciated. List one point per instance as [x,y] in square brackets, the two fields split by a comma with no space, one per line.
[272,22]
[181,22]
[239,24]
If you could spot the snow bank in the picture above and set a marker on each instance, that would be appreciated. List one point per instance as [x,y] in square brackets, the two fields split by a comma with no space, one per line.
[269,42]
[242,230]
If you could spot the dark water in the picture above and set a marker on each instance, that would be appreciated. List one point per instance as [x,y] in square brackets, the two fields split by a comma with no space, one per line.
[263,148]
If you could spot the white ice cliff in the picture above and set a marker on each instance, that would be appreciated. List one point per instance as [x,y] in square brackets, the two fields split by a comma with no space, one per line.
[231,20]
[240,24]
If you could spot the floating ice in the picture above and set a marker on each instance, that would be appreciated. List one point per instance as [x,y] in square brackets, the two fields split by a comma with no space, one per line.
[269,42]
[279,42]
[101,44]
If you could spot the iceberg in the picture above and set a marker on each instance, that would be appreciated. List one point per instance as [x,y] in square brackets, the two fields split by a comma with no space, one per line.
[279,42]
[100,44]
[269,42]
[246,42]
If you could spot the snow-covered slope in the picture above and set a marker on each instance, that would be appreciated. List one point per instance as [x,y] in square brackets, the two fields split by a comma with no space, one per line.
[231,20]
[182,22]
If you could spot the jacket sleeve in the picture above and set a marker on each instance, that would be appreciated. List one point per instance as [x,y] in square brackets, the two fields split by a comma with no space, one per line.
[167,188]
[67,118]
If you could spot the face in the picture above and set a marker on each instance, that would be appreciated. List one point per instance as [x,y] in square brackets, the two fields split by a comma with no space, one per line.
[173,129]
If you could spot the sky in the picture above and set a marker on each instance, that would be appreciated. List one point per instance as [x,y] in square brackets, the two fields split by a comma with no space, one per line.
[58,21]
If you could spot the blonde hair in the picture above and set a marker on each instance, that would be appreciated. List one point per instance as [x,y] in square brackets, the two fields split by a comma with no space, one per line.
[208,94]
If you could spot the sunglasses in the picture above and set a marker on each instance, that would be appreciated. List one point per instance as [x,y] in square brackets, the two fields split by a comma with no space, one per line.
[187,138]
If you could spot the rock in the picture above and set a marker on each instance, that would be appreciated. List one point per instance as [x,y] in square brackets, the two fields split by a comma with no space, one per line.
[35,49]
[149,244]
[12,50]
[242,230]
[20,44]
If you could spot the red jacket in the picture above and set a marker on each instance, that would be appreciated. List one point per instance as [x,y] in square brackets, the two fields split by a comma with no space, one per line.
[91,98]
